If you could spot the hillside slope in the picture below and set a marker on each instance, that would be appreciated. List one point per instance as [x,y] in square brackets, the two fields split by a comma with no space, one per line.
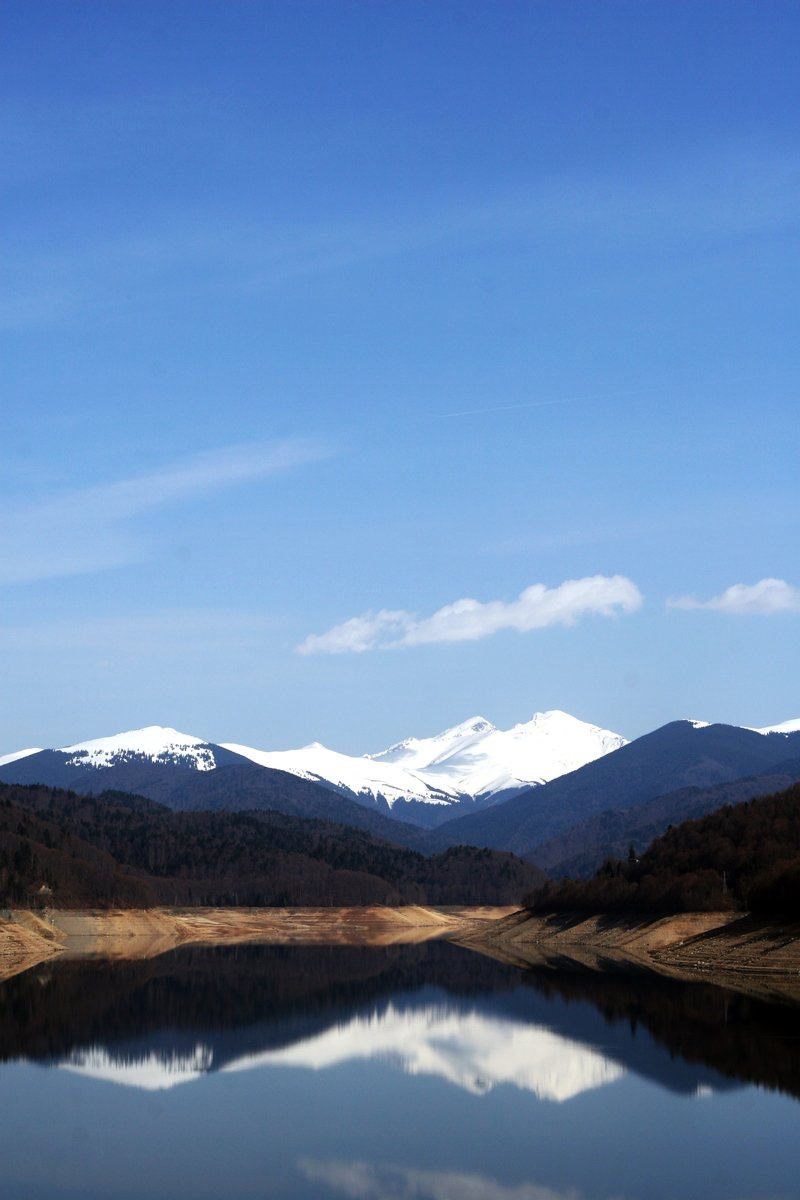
[66,850]
[679,755]
[584,847]
[743,856]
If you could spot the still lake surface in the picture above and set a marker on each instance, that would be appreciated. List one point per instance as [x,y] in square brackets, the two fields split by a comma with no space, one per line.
[397,1073]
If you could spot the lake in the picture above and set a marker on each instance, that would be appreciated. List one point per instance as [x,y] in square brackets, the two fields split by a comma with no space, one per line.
[426,1072]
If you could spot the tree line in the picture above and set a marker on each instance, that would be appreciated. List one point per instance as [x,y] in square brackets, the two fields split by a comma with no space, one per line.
[61,849]
[743,857]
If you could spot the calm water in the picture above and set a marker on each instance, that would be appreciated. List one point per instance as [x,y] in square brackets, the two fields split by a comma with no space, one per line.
[407,1073]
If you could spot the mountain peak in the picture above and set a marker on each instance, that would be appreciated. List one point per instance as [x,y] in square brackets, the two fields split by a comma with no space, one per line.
[551,718]
[418,753]
[471,725]
[476,759]
[148,735]
[158,743]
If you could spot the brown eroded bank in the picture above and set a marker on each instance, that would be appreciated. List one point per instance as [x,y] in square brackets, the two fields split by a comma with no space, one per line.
[27,938]
[758,957]
[740,952]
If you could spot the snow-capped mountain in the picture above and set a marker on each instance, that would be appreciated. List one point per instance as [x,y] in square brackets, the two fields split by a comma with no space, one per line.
[469,767]
[155,743]
[425,780]
[479,760]
[671,765]
[473,764]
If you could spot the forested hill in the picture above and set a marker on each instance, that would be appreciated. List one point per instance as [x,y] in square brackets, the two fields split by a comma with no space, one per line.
[680,755]
[743,856]
[66,850]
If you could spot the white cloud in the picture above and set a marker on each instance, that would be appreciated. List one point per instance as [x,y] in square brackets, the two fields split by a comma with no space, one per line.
[765,598]
[367,632]
[89,529]
[470,620]
[364,1181]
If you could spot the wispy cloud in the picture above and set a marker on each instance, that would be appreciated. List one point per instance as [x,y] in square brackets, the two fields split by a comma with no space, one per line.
[90,529]
[712,196]
[366,1181]
[470,620]
[766,598]
[163,634]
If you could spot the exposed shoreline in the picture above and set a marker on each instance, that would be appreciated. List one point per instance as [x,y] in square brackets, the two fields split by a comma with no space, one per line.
[28,938]
[758,957]
[728,949]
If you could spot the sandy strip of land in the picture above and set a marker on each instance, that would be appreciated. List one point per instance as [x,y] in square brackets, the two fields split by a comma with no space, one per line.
[758,957]
[25,943]
[27,937]
[750,955]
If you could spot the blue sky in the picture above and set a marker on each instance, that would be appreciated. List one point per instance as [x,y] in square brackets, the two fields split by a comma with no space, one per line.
[319,319]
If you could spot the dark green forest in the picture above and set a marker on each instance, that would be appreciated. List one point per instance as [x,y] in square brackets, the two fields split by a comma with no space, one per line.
[743,857]
[61,849]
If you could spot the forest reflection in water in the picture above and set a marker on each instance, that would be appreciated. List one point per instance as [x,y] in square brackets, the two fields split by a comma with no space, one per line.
[241,1001]
[435,1013]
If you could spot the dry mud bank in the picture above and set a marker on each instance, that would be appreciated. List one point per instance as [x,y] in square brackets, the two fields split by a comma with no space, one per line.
[749,955]
[24,943]
[27,938]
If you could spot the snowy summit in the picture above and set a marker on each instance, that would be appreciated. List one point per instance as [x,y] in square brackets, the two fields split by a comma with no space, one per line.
[472,761]
[154,743]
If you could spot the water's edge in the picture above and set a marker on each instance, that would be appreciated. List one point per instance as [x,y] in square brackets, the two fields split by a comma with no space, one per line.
[749,955]
[739,952]
[28,938]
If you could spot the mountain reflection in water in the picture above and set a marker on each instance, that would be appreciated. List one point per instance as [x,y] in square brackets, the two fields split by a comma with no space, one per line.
[398,1073]
[434,1010]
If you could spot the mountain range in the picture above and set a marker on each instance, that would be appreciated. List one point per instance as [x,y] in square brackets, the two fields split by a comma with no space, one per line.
[680,755]
[421,780]
[555,790]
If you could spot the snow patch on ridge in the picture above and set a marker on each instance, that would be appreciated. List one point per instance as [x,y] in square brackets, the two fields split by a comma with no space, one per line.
[17,754]
[156,743]
[791,726]
[359,776]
